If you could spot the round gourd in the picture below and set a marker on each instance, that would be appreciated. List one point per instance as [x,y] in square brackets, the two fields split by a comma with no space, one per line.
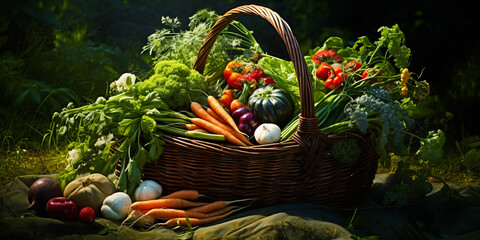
[148,190]
[89,191]
[271,104]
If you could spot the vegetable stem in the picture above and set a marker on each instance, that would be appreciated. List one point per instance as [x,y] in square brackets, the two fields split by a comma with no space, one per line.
[191,134]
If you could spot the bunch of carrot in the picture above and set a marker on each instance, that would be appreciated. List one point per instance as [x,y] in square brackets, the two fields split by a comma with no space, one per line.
[215,119]
[179,208]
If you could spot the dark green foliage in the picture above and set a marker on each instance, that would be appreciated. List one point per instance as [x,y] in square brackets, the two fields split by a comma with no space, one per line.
[50,57]
[346,151]
[413,188]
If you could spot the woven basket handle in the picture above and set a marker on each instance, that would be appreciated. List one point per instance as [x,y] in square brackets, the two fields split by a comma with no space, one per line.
[308,121]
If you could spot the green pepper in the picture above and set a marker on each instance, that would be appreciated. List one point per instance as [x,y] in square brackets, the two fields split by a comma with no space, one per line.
[271,104]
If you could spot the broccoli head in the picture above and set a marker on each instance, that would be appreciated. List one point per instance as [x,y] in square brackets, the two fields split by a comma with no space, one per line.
[177,84]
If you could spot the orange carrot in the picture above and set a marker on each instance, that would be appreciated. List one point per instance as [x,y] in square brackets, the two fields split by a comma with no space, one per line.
[192,126]
[203,114]
[218,130]
[201,130]
[145,218]
[165,203]
[219,212]
[215,115]
[183,194]
[217,107]
[168,213]
[214,206]
[196,221]
[198,110]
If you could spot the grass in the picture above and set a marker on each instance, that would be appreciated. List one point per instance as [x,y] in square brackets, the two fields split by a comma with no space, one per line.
[25,159]
[451,170]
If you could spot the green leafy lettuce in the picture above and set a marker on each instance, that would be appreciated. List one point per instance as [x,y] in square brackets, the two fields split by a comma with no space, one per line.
[283,73]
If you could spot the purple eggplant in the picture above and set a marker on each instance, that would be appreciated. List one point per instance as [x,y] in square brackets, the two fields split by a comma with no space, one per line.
[239,112]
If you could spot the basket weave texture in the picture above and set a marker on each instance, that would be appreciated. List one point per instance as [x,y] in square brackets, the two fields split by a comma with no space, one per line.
[300,169]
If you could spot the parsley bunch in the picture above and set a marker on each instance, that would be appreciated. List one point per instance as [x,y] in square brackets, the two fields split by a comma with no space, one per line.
[172,43]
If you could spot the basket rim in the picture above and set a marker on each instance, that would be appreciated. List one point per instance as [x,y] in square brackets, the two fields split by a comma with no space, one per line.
[260,147]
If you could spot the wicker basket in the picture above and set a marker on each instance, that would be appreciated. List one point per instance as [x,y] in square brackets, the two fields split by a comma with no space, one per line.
[300,169]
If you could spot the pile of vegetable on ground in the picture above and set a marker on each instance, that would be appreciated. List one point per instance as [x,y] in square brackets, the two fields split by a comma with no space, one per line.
[245,97]
[87,197]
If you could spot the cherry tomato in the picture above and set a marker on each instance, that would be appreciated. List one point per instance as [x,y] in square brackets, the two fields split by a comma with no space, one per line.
[234,80]
[335,79]
[338,80]
[320,56]
[257,74]
[365,74]
[372,72]
[324,71]
[336,57]
[337,71]
[269,80]
[329,84]
[353,66]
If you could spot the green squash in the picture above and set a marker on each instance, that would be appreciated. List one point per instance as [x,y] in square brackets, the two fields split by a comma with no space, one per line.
[271,104]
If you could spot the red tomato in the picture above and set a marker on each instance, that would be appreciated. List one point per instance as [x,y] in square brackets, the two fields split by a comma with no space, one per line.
[329,84]
[325,55]
[320,56]
[335,57]
[372,72]
[324,71]
[338,80]
[353,65]
[269,80]
[234,80]
[257,74]
[365,74]
[337,71]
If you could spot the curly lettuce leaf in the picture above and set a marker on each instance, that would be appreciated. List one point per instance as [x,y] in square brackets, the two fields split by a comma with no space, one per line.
[431,147]
[394,39]
[283,73]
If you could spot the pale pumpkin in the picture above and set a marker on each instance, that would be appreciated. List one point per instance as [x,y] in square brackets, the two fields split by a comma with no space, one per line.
[89,191]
